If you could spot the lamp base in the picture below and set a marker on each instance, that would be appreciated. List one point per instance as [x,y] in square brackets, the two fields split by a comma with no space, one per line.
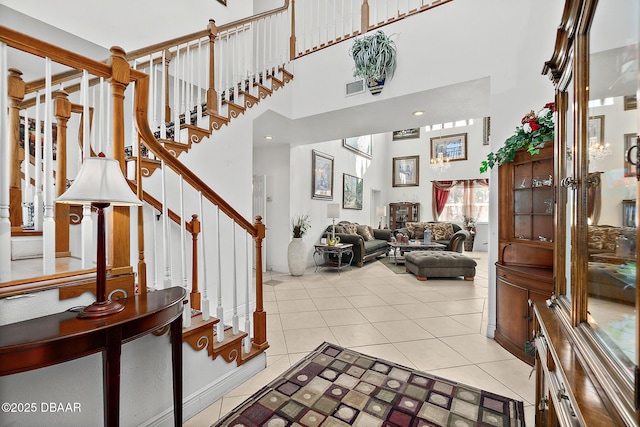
[99,309]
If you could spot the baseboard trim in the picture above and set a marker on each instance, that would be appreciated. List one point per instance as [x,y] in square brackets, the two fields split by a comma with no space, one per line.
[206,396]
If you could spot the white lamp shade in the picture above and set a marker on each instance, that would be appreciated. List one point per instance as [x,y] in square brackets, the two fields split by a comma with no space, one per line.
[100,180]
[333,210]
[381,211]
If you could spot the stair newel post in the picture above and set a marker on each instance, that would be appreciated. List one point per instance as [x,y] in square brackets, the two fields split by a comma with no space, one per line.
[16,91]
[5,176]
[212,95]
[195,230]
[119,247]
[62,113]
[292,38]
[259,316]
[364,17]
[219,309]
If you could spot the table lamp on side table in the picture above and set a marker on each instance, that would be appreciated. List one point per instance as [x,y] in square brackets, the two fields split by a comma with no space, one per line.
[381,211]
[100,183]
[333,212]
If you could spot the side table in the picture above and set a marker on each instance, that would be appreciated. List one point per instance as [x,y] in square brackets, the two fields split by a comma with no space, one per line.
[331,256]
[57,338]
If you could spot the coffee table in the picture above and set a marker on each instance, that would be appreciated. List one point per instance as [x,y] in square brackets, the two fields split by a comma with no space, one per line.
[331,255]
[397,250]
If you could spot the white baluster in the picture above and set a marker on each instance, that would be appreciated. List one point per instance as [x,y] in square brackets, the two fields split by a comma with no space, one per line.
[26,195]
[176,96]
[5,175]
[247,299]
[205,300]
[154,286]
[186,317]
[49,224]
[38,204]
[166,236]
[200,86]
[235,323]
[219,309]
[163,93]
[86,226]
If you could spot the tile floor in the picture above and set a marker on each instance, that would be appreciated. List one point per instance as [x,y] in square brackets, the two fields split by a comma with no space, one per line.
[437,326]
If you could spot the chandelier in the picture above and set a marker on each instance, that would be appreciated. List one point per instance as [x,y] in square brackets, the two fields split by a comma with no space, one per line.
[598,151]
[440,163]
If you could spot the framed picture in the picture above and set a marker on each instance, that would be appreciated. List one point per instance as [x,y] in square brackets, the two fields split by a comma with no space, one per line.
[406,171]
[321,176]
[486,130]
[32,136]
[629,141]
[351,192]
[359,144]
[596,130]
[452,147]
[399,135]
[630,102]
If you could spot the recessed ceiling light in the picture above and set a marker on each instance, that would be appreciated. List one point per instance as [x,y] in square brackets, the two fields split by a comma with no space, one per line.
[418,113]
[268,137]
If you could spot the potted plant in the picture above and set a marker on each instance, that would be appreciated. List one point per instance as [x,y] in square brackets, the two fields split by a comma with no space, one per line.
[374,56]
[297,251]
[534,132]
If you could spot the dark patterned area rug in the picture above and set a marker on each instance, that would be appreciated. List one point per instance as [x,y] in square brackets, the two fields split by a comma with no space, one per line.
[335,387]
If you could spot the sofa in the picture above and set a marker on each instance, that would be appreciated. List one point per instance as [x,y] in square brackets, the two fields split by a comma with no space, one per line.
[368,242]
[448,233]
[602,238]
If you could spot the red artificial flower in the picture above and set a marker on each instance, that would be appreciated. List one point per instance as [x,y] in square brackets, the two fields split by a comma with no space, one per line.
[551,106]
[534,125]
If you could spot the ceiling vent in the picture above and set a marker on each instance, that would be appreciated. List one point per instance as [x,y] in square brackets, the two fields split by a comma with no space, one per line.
[354,88]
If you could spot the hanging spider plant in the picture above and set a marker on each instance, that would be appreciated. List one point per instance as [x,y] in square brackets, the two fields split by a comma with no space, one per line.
[374,56]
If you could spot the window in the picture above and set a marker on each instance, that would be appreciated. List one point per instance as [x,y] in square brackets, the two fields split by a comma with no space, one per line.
[464,197]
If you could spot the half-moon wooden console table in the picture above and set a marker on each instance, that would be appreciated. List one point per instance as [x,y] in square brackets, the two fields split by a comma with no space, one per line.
[61,337]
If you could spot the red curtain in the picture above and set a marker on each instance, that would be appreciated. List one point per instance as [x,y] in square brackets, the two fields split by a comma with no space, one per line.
[440,196]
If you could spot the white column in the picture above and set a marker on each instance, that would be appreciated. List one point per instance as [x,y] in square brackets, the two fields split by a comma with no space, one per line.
[86,226]
[37,173]
[5,175]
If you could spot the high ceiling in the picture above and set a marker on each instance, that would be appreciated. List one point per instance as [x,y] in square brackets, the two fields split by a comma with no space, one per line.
[134,30]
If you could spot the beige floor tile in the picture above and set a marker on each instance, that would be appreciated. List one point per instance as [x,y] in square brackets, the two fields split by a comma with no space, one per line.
[277,344]
[451,308]
[514,374]
[288,286]
[262,378]
[295,306]
[349,316]
[229,403]
[473,321]
[396,298]
[310,319]
[530,415]
[428,296]
[444,326]
[295,294]
[305,340]
[417,311]
[402,330]
[332,303]
[269,296]
[381,314]
[323,292]
[477,348]
[271,307]
[357,335]
[351,290]
[366,301]
[273,322]
[431,354]
[472,375]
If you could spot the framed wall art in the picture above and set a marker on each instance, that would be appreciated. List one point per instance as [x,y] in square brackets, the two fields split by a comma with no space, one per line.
[32,136]
[351,192]
[630,102]
[406,171]
[596,130]
[321,176]
[399,135]
[359,144]
[452,147]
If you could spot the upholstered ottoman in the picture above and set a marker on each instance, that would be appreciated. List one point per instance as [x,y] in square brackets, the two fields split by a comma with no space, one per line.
[440,264]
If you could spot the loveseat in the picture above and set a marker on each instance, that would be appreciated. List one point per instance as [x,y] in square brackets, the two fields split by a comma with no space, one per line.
[368,242]
[602,238]
[448,233]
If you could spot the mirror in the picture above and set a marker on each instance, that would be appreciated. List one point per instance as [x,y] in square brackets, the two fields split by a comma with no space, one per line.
[611,187]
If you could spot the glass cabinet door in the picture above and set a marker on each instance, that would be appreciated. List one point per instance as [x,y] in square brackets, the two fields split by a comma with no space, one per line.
[612,125]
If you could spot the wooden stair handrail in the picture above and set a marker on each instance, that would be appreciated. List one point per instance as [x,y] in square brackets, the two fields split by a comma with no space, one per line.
[142,52]
[146,134]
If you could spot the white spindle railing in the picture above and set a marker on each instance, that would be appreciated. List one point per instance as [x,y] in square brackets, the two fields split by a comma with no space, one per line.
[5,175]
[48,225]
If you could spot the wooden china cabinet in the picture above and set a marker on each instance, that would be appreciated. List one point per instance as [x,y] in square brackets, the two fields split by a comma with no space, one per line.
[402,212]
[525,250]
[587,336]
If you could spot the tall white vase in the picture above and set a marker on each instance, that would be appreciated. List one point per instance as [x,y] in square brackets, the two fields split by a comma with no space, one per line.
[297,256]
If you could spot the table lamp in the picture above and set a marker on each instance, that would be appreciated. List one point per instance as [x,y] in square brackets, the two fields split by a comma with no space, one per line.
[381,211]
[333,212]
[100,183]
